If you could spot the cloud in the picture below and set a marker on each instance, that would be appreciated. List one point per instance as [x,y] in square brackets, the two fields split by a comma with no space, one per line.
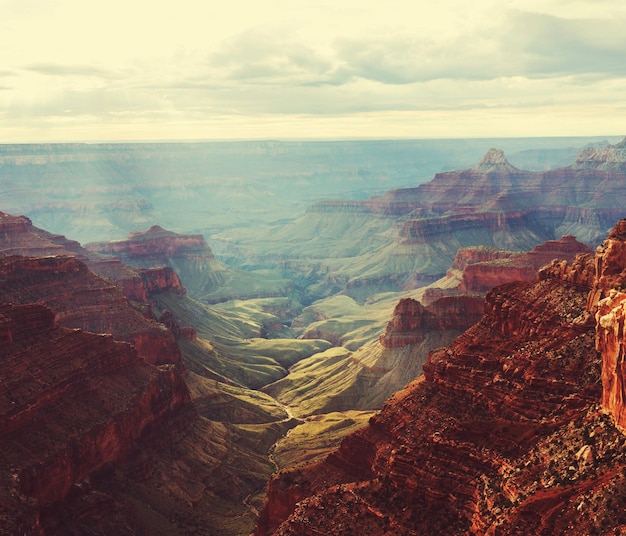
[545,45]
[263,56]
[59,69]
[337,60]
[405,59]
[525,44]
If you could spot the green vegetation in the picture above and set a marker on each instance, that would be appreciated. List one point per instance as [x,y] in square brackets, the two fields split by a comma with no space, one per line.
[316,437]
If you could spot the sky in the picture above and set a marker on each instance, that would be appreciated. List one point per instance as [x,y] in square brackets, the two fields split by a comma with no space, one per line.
[121,70]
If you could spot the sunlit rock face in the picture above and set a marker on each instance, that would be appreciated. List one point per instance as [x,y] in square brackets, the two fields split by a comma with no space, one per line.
[610,316]
[482,268]
[514,428]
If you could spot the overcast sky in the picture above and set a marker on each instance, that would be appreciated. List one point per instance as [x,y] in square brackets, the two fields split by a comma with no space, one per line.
[75,70]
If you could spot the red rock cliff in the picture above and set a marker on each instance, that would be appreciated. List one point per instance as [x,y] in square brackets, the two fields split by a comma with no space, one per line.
[504,434]
[485,268]
[189,255]
[70,402]
[80,299]
[611,340]
[411,319]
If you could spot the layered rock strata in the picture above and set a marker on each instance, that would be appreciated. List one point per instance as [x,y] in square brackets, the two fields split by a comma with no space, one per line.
[189,255]
[610,293]
[504,434]
[18,236]
[411,320]
[407,238]
[81,299]
[71,402]
[484,268]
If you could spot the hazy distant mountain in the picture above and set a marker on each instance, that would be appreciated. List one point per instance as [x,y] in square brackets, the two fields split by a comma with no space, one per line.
[93,192]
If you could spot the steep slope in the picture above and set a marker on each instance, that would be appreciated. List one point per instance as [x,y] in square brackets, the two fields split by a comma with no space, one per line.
[81,299]
[505,434]
[480,268]
[95,439]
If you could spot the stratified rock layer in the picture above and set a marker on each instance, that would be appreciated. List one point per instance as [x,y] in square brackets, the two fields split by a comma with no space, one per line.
[189,255]
[81,299]
[70,403]
[610,315]
[411,320]
[485,268]
[505,433]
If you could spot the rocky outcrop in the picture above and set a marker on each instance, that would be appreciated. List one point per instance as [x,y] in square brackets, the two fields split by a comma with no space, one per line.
[610,294]
[484,268]
[151,281]
[611,158]
[18,236]
[81,299]
[71,402]
[504,434]
[156,245]
[411,320]
[188,255]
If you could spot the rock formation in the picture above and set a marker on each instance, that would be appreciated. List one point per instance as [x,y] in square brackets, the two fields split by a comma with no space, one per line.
[99,436]
[504,434]
[610,290]
[483,268]
[71,403]
[411,320]
[189,255]
[81,299]
[407,238]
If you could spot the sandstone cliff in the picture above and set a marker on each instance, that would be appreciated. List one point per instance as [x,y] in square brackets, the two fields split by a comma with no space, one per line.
[81,299]
[18,236]
[71,402]
[504,434]
[481,268]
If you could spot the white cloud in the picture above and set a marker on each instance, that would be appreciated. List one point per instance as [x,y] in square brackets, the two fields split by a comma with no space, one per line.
[192,66]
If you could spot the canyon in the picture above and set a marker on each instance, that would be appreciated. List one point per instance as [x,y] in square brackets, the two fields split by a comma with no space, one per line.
[154,383]
[513,429]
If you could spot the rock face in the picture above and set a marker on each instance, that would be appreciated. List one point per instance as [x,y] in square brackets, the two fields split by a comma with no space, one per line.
[484,268]
[189,255]
[18,236]
[71,403]
[504,434]
[81,299]
[411,320]
[610,315]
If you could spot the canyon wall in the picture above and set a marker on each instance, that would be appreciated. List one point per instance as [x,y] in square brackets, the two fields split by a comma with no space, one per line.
[188,255]
[70,403]
[81,299]
[610,290]
[512,429]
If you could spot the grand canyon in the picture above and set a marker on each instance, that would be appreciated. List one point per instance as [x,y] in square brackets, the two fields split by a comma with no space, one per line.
[385,338]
